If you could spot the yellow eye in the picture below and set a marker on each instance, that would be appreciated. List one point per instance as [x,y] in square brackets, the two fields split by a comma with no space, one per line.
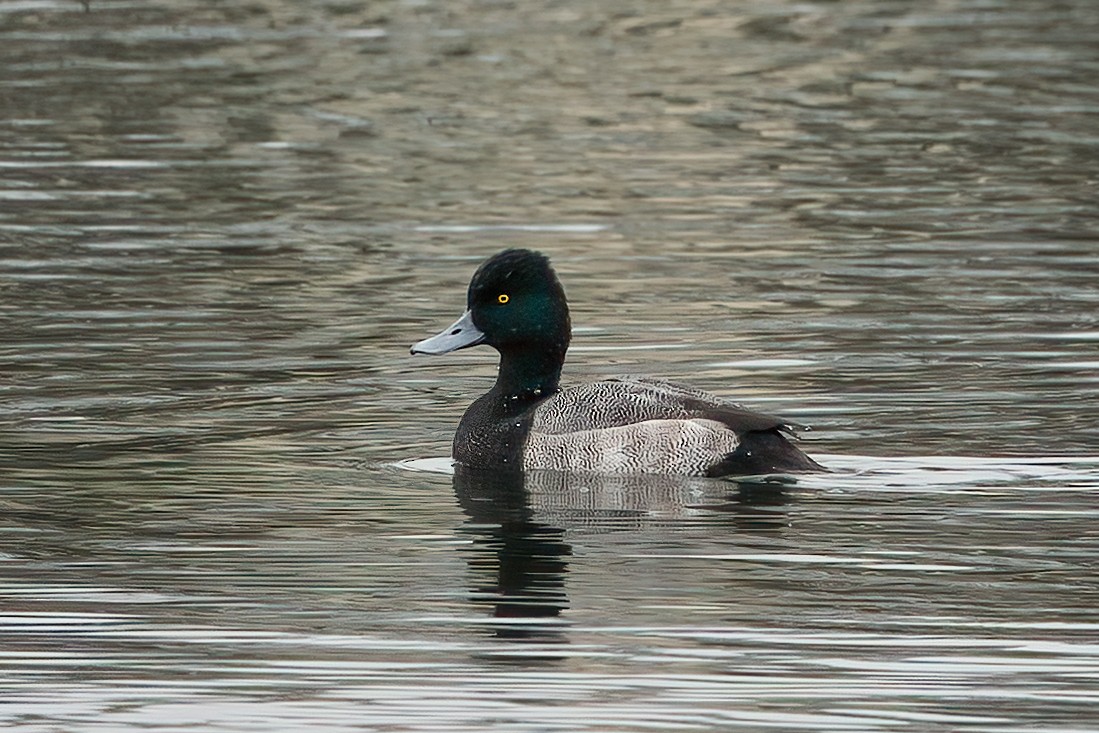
[503,298]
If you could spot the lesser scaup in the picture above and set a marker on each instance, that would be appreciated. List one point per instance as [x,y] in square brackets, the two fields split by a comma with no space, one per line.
[625,425]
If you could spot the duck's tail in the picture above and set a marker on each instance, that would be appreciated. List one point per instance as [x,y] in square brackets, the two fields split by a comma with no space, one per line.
[762,452]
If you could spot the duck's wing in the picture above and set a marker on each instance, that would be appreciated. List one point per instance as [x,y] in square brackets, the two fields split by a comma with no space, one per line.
[623,401]
[640,425]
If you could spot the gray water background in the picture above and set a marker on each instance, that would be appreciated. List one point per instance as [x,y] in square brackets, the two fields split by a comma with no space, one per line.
[223,497]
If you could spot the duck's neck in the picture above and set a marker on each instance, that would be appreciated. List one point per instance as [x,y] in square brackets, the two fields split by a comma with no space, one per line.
[528,374]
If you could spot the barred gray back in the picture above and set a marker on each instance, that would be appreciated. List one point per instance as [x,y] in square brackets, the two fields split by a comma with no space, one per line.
[620,401]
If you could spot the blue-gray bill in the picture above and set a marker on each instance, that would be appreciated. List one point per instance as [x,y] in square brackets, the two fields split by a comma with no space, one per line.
[458,335]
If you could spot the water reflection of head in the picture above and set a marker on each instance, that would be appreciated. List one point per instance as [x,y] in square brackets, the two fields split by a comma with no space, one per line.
[519,564]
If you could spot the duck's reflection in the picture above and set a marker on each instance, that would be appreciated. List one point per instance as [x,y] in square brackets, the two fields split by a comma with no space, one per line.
[755,505]
[519,568]
[519,522]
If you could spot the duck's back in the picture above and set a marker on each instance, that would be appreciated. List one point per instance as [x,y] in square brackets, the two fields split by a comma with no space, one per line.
[638,425]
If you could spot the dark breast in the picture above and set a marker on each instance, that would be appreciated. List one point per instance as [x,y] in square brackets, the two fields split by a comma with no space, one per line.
[492,432]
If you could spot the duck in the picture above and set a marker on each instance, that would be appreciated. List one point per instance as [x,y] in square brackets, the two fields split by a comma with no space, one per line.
[516,304]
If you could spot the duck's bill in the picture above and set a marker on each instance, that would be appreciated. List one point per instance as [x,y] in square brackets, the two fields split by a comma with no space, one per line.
[458,335]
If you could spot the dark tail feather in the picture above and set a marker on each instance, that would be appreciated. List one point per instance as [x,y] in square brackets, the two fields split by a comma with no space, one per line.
[762,452]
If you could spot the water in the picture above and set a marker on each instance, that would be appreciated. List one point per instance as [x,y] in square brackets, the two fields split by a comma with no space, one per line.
[224,503]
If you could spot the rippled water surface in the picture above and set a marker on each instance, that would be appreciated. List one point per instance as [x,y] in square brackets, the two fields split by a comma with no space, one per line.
[224,499]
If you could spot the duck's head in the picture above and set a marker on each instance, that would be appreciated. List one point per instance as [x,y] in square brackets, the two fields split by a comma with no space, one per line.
[516,305]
